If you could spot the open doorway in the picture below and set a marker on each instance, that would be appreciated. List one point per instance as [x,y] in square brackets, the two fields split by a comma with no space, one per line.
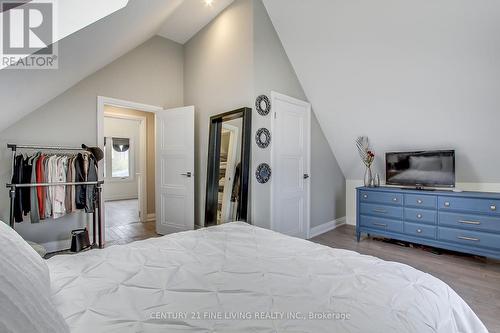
[166,194]
[128,169]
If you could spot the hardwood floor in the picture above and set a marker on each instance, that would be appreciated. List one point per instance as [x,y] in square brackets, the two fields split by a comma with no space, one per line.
[475,279]
[123,225]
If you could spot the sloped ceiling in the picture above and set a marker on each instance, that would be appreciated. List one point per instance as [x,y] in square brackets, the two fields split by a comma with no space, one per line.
[72,15]
[95,46]
[81,54]
[409,74]
[189,18]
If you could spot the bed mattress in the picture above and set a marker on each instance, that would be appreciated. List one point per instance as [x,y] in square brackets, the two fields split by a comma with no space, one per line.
[241,278]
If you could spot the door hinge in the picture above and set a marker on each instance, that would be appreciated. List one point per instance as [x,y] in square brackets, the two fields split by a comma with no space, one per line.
[275,115]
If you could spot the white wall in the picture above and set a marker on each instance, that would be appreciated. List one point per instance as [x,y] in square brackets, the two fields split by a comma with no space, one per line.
[218,78]
[151,74]
[117,189]
[273,71]
[408,74]
[237,57]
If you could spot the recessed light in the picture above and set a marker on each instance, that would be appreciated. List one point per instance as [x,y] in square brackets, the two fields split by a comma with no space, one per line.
[209,3]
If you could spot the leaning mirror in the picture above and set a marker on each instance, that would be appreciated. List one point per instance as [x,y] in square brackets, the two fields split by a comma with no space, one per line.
[228,167]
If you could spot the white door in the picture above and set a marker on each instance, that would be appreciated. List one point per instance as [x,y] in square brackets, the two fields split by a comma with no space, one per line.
[174,170]
[290,165]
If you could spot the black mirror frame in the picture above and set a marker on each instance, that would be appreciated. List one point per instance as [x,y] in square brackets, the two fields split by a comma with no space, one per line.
[212,188]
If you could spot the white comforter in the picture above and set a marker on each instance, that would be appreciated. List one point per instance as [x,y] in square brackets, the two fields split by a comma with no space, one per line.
[240,278]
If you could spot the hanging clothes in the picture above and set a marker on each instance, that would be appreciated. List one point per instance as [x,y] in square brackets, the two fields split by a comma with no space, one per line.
[26,179]
[34,211]
[90,194]
[79,177]
[17,178]
[59,192]
[42,202]
[40,191]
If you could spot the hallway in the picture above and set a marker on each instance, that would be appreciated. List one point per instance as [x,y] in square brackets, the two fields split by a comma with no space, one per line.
[123,224]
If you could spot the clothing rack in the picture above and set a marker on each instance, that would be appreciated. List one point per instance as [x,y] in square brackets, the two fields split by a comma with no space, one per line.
[97,223]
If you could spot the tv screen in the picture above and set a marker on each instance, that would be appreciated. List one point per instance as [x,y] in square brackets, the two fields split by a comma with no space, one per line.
[421,168]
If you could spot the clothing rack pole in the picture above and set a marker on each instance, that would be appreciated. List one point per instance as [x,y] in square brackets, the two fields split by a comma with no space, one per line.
[98,193]
[14,147]
[99,216]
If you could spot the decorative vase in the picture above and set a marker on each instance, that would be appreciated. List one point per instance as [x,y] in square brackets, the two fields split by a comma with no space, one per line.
[368,177]
[376,180]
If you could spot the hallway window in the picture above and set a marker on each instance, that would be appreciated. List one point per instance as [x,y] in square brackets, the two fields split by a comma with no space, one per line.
[119,159]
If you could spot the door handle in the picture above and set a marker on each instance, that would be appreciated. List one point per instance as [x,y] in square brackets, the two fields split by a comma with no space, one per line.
[469,222]
[187,174]
[306,176]
[469,238]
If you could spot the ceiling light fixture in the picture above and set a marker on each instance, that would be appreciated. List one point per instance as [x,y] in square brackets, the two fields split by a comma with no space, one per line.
[209,3]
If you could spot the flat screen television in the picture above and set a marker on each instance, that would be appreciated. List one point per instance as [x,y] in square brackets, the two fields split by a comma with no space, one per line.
[432,168]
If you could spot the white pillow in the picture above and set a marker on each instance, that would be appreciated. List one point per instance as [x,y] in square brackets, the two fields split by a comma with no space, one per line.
[25,297]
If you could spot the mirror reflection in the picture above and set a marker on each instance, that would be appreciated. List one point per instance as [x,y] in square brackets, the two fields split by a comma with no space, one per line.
[228,164]
[229,171]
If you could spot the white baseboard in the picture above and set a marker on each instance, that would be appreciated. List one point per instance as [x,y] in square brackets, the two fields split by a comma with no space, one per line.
[325,227]
[120,197]
[58,245]
[150,217]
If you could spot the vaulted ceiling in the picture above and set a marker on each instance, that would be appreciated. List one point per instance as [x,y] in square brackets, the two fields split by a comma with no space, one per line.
[189,17]
[410,75]
[93,47]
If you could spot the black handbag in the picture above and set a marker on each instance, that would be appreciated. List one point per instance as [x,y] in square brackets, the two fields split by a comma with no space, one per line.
[79,240]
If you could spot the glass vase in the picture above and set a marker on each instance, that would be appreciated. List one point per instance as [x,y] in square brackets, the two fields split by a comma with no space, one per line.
[368,177]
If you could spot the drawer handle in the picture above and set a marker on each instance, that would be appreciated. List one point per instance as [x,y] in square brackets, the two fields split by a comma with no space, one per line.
[419,201]
[419,216]
[493,207]
[380,224]
[447,204]
[419,231]
[468,238]
[469,222]
[383,211]
[395,199]
[365,196]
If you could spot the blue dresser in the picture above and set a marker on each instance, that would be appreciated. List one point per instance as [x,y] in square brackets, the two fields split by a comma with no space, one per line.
[466,222]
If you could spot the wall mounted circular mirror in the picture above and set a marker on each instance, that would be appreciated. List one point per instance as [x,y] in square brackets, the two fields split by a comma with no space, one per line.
[263,137]
[263,105]
[263,173]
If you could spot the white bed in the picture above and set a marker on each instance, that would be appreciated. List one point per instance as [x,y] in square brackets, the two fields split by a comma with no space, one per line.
[197,281]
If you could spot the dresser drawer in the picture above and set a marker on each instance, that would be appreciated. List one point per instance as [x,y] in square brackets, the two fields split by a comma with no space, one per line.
[386,211]
[469,237]
[484,206]
[381,197]
[420,230]
[381,224]
[468,221]
[420,215]
[421,201]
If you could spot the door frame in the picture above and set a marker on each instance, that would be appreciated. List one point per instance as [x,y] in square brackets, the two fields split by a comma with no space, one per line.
[278,96]
[211,191]
[101,102]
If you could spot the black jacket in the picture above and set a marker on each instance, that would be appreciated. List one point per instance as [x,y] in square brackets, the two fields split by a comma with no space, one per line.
[80,196]
[17,178]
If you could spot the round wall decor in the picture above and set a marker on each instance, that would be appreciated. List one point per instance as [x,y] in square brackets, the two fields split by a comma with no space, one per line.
[263,105]
[263,173]
[263,137]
